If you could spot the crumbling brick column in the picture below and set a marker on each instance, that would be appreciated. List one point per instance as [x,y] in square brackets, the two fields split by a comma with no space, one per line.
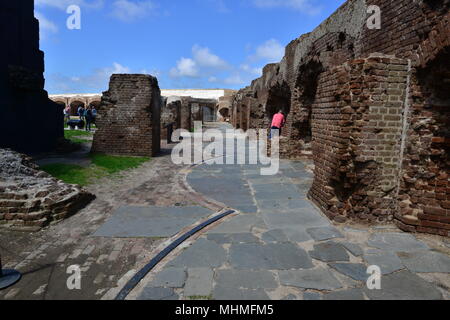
[357,131]
[129,117]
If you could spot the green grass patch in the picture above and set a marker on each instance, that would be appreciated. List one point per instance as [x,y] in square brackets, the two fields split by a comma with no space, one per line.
[114,164]
[102,166]
[68,173]
[76,136]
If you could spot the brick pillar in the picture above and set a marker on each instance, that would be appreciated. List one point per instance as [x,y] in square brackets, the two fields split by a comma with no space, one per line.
[129,117]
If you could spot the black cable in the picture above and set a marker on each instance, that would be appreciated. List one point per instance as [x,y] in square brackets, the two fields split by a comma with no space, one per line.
[154,262]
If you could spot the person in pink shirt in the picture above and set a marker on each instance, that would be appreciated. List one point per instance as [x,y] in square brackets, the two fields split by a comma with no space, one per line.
[278,123]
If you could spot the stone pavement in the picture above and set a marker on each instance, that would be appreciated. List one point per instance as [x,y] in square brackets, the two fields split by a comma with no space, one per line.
[280,246]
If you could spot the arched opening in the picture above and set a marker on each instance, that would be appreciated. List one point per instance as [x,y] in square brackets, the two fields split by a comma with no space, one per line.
[74,105]
[225,113]
[95,104]
[279,100]
[244,117]
[304,98]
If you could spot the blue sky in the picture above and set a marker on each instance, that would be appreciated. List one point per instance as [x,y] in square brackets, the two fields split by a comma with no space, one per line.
[185,43]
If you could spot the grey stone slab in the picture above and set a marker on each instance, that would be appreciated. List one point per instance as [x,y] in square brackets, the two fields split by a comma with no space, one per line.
[202,254]
[400,242]
[222,238]
[303,217]
[297,234]
[273,256]
[345,295]
[404,285]
[239,224]
[426,262]
[312,296]
[169,277]
[290,297]
[277,194]
[317,279]
[355,271]
[228,293]
[157,294]
[353,248]
[245,279]
[329,252]
[275,236]
[388,262]
[199,282]
[324,233]
[150,222]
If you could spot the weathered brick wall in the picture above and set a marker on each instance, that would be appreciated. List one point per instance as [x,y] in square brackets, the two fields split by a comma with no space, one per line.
[357,128]
[31,199]
[23,99]
[129,117]
[408,173]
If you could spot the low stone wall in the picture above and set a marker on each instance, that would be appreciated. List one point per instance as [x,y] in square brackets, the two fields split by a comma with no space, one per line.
[31,199]
[129,118]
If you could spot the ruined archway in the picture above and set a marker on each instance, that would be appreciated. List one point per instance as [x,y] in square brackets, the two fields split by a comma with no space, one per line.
[304,97]
[279,99]
[74,105]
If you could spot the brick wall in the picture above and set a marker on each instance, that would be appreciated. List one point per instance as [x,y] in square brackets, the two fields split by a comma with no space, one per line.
[129,117]
[382,122]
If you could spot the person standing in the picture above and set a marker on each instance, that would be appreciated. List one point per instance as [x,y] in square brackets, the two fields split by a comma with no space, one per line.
[278,122]
[94,116]
[88,118]
[81,112]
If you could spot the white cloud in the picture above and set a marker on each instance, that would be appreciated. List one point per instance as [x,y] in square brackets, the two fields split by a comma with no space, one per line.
[186,67]
[234,80]
[127,10]
[304,6]
[63,4]
[202,63]
[252,70]
[270,51]
[46,27]
[204,58]
[96,81]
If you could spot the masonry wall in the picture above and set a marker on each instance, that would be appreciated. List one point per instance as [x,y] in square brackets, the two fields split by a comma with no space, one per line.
[129,117]
[31,123]
[378,131]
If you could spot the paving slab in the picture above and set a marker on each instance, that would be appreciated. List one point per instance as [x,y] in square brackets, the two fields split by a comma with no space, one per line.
[155,294]
[404,285]
[297,234]
[246,279]
[239,224]
[324,233]
[353,248]
[317,279]
[199,282]
[274,236]
[222,238]
[355,271]
[426,262]
[202,254]
[229,293]
[169,277]
[329,252]
[345,295]
[272,256]
[388,262]
[150,222]
[312,296]
[399,242]
[304,218]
